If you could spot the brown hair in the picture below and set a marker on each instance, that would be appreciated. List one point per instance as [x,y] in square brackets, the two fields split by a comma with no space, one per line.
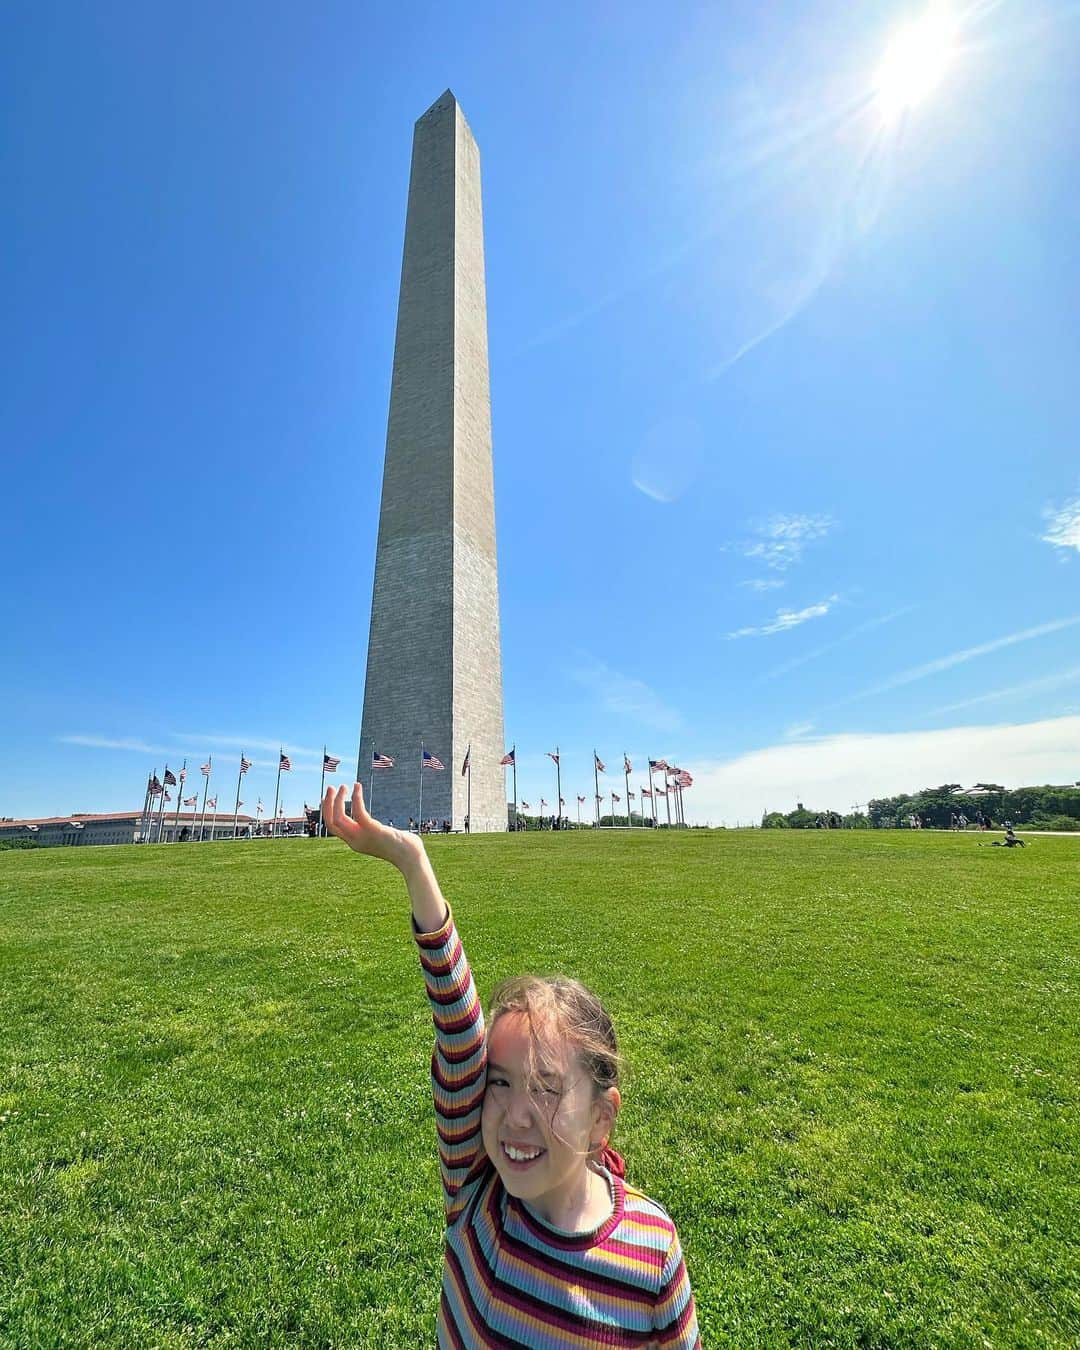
[562,1013]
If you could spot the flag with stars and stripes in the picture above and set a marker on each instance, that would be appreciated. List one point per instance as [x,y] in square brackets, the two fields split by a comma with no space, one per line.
[381,761]
[329,763]
[508,758]
[245,764]
[431,761]
[284,763]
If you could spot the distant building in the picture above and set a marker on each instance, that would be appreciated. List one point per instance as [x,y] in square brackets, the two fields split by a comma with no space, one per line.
[123,827]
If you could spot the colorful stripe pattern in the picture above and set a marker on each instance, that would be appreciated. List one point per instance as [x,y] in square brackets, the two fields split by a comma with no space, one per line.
[508,1278]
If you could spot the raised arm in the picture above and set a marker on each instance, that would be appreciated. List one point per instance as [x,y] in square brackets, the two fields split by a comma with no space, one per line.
[459,1061]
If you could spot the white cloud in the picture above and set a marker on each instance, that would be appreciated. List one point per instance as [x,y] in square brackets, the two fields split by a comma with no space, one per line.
[828,646]
[1063,528]
[838,771]
[628,697]
[110,743]
[798,729]
[958,658]
[763,583]
[788,618]
[782,540]
[1041,685]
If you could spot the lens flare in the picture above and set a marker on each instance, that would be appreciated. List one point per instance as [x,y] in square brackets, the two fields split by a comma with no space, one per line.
[915,63]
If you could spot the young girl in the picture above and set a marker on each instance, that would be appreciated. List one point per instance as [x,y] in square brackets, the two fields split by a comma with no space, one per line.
[546,1245]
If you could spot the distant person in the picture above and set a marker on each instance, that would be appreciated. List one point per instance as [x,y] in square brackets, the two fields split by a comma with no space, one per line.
[466,824]
[556,1248]
[1010,840]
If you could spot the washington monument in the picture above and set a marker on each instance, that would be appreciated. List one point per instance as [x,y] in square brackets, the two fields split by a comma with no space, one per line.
[434,669]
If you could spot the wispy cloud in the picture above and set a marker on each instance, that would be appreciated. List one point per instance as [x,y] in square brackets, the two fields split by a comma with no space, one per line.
[627,696]
[798,729]
[788,618]
[1047,682]
[194,746]
[763,583]
[958,658]
[866,627]
[1063,525]
[781,540]
[245,743]
[112,743]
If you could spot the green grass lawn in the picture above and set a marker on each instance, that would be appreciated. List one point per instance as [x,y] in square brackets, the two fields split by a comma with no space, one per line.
[852,1081]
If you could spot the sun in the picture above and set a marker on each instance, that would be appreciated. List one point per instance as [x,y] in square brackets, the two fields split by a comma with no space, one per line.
[914,64]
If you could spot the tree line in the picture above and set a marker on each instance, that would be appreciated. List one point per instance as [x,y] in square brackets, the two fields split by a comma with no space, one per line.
[1034,808]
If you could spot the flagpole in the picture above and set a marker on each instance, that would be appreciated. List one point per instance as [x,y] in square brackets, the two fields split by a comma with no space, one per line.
[667,799]
[322,786]
[626,776]
[236,807]
[468,789]
[179,794]
[578,796]
[161,804]
[206,789]
[277,789]
[420,809]
[596,787]
[145,807]
[515,786]
[558,787]
[213,820]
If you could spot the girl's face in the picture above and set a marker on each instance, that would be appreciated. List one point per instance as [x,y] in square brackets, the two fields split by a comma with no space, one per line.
[538,1134]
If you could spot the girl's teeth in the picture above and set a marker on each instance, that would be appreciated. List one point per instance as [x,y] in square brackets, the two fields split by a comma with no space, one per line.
[519,1156]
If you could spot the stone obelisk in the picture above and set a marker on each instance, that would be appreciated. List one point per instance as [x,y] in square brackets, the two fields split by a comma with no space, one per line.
[434,669]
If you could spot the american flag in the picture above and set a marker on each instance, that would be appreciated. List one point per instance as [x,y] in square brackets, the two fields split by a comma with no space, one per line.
[599,798]
[658,764]
[646,792]
[329,763]
[562,801]
[581,799]
[465,763]
[245,764]
[212,802]
[191,801]
[553,754]
[526,806]
[380,761]
[508,758]
[239,805]
[599,763]
[627,767]
[284,762]
[170,778]
[684,779]
[615,797]
[543,803]
[630,796]
[168,796]
[660,792]
[259,807]
[183,774]
[430,761]
[155,787]
[205,768]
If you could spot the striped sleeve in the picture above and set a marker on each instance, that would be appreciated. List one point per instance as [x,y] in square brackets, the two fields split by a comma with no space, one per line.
[459,1060]
[674,1317]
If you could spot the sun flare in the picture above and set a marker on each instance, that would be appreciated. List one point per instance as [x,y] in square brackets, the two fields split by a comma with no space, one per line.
[914,64]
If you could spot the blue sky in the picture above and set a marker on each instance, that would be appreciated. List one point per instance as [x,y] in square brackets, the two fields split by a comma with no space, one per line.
[787,437]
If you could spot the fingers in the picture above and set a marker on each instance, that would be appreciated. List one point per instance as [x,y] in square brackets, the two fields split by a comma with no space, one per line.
[359,810]
[334,816]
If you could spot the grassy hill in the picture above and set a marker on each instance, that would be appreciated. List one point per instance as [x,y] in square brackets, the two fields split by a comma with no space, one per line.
[853,1065]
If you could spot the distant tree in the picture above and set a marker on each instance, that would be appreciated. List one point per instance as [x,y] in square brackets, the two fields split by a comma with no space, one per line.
[774,820]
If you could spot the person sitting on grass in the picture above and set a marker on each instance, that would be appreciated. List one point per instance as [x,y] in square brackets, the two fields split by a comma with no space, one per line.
[546,1244]
[1010,840]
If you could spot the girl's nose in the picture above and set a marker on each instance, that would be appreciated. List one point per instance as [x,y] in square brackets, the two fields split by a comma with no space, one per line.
[519,1110]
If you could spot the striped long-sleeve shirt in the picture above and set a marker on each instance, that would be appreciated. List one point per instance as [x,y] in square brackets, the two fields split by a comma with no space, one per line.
[509,1278]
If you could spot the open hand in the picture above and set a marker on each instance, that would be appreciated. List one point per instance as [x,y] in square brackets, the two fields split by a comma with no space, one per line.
[363,833]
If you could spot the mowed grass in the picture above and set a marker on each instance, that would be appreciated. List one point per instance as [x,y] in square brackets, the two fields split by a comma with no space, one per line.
[852,1080]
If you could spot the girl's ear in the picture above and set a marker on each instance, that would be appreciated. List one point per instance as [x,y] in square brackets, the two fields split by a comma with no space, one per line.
[609,1102]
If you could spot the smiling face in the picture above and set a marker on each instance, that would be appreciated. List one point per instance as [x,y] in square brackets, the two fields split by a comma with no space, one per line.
[538,1132]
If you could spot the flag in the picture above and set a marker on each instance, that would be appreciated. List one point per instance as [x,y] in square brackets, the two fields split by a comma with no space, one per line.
[615,797]
[543,803]
[239,805]
[562,801]
[684,779]
[599,798]
[660,792]
[285,763]
[552,754]
[168,795]
[191,801]
[599,763]
[465,763]
[581,799]
[627,767]
[245,764]
[212,802]
[630,796]
[380,761]
[658,764]
[329,763]
[645,792]
[525,806]
[183,774]
[259,807]
[430,761]
[170,778]
[205,769]
[155,787]
[508,758]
